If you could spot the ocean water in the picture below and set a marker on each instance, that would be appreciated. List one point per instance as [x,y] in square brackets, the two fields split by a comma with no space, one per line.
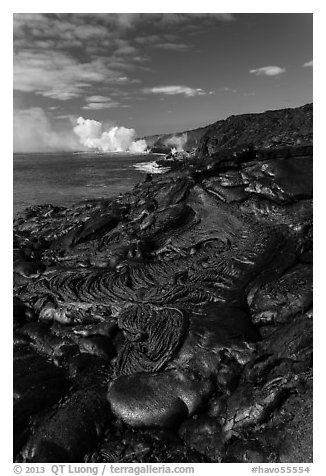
[66,178]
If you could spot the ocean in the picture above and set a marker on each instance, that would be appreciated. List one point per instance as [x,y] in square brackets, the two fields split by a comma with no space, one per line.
[66,178]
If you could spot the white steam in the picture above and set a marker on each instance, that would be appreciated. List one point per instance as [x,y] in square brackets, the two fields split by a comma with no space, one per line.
[35,132]
[116,139]
[177,142]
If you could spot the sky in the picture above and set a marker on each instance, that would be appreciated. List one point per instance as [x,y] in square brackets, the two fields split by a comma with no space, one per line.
[84,80]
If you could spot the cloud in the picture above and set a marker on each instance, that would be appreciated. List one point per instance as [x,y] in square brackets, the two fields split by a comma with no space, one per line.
[172,46]
[115,139]
[81,30]
[228,90]
[70,25]
[164,19]
[126,50]
[308,64]
[97,98]
[64,56]
[46,58]
[174,90]
[33,132]
[64,30]
[59,76]
[108,34]
[97,106]
[100,102]
[149,39]
[165,41]
[161,20]
[268,71]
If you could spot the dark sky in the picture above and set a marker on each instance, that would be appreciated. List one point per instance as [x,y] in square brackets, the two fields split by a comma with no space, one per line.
[153,72]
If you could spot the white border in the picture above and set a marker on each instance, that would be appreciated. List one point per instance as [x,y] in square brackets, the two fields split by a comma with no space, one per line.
[277,6]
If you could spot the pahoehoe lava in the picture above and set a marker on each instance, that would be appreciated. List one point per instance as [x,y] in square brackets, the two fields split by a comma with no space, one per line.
[172,323]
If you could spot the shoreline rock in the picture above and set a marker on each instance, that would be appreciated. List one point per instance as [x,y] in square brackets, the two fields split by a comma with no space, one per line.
[181,309]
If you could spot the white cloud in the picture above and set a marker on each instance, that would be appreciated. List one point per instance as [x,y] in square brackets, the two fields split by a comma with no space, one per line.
[163,19]
[84,29]
[66,27]
[108,32]
[100,102]
[96,106]
[46,48]
[45,64]
[174,90]
[268,71]
[308,64]
[98,98]
[60,76]
[131,20]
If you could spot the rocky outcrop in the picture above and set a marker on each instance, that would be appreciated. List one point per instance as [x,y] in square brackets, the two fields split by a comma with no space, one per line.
[160,142]
[173,323]
[282,127]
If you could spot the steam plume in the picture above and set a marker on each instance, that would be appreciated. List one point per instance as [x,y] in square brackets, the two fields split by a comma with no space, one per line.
[177,142]
[34,131]
[116,139]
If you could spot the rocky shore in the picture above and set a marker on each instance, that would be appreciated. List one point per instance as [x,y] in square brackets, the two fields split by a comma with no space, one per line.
[172,323]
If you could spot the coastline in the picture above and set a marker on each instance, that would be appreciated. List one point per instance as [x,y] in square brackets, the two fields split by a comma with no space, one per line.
[175,317]
[58,248]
